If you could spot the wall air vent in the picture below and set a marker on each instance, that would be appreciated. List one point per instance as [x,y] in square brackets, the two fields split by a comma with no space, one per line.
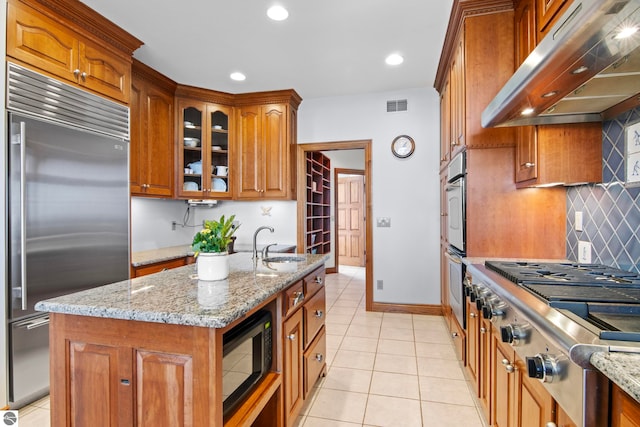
[396,105]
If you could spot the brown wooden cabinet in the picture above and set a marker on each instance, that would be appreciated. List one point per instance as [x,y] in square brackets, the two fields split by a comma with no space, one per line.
[548,12]
[151,148]
[625,410]
[265,152]
[318,227]
[485,368]
[304,341]
[474,320]
[445,124]
[534,405]
[204,147]
[156,267]
[55,43]
[559,154]
[503,383]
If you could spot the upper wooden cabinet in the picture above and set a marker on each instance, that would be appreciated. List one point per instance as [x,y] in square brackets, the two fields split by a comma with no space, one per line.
[265,146]
[526,36]
[548,12]
[151,147]
[204,147]
[476,61]
[73,43]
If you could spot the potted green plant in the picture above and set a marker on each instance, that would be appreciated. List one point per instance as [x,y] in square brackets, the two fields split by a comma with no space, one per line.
[210,246]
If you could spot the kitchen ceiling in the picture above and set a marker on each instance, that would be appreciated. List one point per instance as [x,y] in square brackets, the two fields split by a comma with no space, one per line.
[325,48]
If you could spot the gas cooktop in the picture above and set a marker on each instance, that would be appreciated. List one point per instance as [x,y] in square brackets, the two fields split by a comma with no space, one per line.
[564,273]
[606,297]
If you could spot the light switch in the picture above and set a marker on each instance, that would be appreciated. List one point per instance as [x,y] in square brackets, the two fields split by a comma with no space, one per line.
[383,222]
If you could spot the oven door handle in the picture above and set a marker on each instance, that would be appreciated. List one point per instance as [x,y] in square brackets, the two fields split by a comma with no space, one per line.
[453,186]
[452,258]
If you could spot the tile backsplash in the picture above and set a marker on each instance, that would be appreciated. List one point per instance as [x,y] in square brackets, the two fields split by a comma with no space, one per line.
[611,211]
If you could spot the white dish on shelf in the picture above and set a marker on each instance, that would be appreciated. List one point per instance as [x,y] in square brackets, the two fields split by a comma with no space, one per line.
[219,184]
[189,125]
[190,186]
[217,127]
[216,148]
[191,142]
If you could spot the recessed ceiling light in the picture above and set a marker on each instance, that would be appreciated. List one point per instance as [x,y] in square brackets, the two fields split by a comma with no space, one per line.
[237,76]
[277,13]
[527,111]
[394,59]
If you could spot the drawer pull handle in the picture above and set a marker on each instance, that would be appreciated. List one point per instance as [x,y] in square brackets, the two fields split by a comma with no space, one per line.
[298,297]
[508,366]
[472,315]
[291,337]
[483,330]
[319,357]
[453,335]
[318,280]
[318,313]
[124,381]
[528,165]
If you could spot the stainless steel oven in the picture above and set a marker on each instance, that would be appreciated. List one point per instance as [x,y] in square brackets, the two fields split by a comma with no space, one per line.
[456,273]
[456,215]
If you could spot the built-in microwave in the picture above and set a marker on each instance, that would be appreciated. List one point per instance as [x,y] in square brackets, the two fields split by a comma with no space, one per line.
[246,358]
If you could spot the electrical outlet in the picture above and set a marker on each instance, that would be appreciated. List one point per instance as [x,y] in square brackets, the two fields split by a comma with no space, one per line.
[578,221]
[383,222]
[173,225]
[584,252]
[379,284]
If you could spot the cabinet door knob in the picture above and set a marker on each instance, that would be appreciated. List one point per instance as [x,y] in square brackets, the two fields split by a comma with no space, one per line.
[455,334]
[76,73]
[483,330]
[318,313]
[319,357]
[472,315]
[318,280]
[83,77]
[550,424]
[291,337]
[508,366]
[125,381]
[528,165]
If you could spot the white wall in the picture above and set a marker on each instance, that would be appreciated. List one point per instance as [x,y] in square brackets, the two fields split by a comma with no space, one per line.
[151,222]
[406,255]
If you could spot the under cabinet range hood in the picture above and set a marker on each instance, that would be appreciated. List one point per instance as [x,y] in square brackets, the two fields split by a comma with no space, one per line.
[584,70]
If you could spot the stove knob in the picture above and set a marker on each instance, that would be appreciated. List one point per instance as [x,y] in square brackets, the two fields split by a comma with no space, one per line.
[493,309]
[513,334]
[543,367]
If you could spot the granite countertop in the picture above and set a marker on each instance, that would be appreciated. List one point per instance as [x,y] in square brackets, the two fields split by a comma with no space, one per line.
[621,368]
[153,256]
[176,296]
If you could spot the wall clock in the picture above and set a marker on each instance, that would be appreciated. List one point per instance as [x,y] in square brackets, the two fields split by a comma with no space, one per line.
[402,146]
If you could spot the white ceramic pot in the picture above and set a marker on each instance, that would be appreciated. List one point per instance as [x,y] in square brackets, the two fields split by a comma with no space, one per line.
[213,266]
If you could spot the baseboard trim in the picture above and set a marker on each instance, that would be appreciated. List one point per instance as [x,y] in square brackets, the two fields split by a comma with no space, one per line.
[429,309]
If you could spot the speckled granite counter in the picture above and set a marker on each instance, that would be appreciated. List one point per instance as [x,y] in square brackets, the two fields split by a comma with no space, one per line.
[152,256]
[177,296]
[621,368]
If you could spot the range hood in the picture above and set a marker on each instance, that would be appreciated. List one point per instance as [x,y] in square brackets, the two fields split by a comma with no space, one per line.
[582,71]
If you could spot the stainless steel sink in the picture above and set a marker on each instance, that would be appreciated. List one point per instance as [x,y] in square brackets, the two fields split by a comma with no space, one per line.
[284,259]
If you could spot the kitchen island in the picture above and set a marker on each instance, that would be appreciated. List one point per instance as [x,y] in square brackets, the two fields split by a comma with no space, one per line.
[148,351]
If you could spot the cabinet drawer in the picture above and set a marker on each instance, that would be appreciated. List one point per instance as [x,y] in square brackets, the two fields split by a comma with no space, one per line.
[314,281]
[293,297]
[314,361]
[314,314]
[158,266]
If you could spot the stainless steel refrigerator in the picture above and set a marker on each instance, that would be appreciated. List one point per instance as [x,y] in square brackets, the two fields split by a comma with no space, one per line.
[68,209]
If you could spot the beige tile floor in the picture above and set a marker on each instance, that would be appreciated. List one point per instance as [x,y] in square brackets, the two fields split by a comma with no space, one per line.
[384,369]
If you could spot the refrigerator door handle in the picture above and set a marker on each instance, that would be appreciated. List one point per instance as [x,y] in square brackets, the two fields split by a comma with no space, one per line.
[23,213]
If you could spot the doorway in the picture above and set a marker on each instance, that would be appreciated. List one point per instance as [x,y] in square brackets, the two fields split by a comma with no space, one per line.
[365,145]
[349,217]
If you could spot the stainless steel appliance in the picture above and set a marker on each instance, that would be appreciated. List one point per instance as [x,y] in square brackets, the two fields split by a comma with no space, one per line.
[456,234]
[68,210]
[583,67]
[556,315]
[246,358]
[455,189]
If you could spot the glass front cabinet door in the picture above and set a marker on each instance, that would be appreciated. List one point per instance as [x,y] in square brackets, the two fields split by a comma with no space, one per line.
[203,150]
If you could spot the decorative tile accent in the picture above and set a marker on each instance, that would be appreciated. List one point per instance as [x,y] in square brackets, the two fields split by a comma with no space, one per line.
[611,212]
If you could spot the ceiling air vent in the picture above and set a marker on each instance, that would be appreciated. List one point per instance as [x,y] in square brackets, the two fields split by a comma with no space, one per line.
[396,105]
